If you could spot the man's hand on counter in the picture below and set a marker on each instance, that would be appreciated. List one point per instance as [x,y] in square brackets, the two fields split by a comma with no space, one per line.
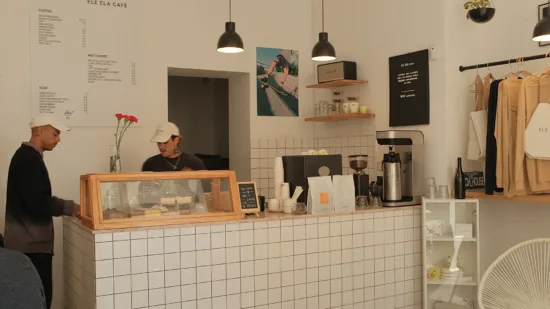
[76,210]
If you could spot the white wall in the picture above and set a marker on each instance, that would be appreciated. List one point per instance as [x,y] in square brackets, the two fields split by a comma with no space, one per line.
[200,109]
[368,32]
[175,34]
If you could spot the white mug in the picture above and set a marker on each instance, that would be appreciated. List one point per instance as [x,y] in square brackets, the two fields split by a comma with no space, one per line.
[345,108]
[273,205]
[354,107]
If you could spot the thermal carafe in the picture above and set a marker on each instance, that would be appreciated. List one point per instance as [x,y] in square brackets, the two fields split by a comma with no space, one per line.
[391,167]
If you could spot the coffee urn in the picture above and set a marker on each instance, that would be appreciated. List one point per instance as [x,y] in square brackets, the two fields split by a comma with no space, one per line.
[391,167]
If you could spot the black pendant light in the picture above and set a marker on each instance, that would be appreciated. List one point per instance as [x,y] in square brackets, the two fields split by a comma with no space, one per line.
[541,33]
[323,50]
[230,41]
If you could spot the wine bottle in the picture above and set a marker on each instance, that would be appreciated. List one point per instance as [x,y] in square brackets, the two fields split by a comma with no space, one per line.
[460,182]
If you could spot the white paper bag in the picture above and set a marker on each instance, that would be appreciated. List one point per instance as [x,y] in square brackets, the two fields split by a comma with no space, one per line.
[537,133]
[344,193]
[320,195]
[477,135]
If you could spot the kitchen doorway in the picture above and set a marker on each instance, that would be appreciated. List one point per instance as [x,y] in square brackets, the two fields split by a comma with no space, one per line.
[210,109]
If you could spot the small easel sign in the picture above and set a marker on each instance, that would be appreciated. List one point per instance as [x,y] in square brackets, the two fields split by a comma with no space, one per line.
[249,198]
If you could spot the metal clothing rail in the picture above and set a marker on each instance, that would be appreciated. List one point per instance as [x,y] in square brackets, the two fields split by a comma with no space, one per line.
[509,61]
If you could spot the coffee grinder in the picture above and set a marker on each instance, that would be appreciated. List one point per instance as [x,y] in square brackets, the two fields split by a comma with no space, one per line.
[360,179]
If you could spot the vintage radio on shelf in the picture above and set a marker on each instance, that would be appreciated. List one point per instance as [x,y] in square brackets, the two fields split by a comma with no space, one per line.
[129,200]
[336,71]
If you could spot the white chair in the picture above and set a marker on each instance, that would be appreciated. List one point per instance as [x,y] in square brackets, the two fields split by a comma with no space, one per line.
[519,278]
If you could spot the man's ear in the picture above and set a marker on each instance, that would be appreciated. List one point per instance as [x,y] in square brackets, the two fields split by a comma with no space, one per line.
[36,131]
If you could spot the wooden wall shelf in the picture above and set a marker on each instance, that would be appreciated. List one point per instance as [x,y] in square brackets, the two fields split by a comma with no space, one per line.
[340,117]
[337,84]
[539,198]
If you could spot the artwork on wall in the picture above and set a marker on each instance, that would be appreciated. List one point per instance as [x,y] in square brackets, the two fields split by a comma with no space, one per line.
[410,89]
[277,82]
[541,16]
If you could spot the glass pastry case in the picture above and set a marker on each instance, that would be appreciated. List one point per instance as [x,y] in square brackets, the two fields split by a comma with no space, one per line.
[129,200]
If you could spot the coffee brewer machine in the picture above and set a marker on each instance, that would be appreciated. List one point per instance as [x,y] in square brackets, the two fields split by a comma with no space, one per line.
[360,179]
[403,171]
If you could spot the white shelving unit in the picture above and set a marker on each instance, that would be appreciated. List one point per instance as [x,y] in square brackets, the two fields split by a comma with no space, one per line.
[446,225]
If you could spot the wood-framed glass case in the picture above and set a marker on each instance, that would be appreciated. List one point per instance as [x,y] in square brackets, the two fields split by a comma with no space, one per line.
[130,200]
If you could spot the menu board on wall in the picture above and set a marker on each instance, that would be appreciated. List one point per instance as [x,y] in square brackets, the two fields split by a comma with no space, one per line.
[85,60]
[410,89]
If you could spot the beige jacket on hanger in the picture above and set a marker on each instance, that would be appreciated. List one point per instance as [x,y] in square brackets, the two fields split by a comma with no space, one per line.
[505,133]
[531,174]
[477,126]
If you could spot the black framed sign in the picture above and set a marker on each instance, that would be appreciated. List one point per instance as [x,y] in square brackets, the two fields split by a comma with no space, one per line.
[249,198]
[474,180]
[410,89]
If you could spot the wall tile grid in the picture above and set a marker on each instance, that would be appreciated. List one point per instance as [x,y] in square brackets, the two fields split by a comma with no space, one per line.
[366,260]
[264,151]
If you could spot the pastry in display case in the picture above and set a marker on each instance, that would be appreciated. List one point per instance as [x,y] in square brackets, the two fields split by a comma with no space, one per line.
[122,200]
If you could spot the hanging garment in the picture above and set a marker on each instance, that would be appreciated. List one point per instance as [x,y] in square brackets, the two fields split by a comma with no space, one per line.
[487,81]
[477,123]
[491,143]
[478,84]
[505,133]
[531,173]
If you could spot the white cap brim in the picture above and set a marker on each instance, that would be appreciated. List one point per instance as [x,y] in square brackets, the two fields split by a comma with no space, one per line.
[161,138]
[60,127]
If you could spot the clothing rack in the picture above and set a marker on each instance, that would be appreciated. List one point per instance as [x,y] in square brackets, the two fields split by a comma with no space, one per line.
[509,61]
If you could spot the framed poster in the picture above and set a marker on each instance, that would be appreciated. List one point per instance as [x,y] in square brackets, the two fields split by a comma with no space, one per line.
[277,78]
[410,89]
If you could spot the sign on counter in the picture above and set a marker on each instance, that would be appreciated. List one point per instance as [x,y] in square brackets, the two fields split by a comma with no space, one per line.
[410,89]
[474,180]
[249,198]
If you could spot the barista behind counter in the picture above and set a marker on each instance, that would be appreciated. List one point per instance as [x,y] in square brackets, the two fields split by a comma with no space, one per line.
[170,158]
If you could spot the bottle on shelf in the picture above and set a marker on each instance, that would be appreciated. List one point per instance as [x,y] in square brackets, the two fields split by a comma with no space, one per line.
[460,182]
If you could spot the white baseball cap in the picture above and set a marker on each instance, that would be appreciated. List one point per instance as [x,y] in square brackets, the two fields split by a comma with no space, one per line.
[47,120]
[164,132]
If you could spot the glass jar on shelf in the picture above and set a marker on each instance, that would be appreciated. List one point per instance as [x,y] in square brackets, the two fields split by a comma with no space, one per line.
[316,109]
[337,109]
[322,109]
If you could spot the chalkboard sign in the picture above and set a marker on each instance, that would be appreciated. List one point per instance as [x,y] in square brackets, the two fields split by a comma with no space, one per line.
[474,180]
[249,198]
[410,89]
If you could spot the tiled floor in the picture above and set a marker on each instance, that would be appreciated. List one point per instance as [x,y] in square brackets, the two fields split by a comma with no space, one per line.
[368,260]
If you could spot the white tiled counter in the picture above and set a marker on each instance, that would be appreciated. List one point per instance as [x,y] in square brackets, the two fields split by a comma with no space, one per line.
[369,259]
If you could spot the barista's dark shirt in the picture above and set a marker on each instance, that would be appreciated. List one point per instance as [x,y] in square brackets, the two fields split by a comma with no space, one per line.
[159,163]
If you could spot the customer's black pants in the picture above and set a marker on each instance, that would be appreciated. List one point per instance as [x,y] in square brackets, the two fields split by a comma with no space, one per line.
[43,264]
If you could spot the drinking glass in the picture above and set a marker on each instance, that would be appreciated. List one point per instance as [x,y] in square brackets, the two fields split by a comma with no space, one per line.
[443,192]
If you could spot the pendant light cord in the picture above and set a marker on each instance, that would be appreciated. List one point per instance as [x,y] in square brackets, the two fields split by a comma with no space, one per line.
[230,10]
[323,14]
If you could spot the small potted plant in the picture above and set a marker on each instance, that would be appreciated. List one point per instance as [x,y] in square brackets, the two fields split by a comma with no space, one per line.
[479,11]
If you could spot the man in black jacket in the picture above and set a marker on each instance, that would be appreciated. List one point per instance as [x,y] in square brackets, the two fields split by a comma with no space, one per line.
[30,204]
